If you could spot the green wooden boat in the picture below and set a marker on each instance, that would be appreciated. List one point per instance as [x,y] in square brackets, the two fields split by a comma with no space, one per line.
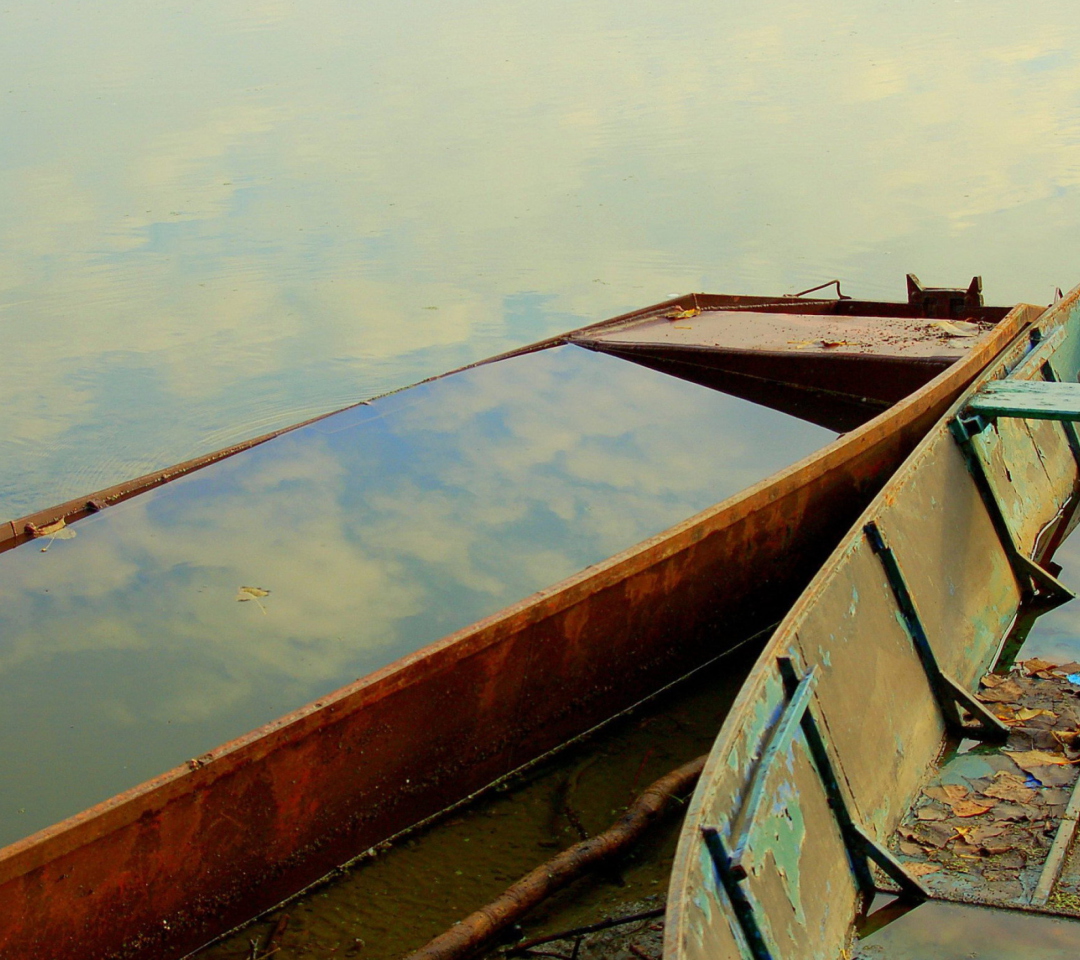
[800,815]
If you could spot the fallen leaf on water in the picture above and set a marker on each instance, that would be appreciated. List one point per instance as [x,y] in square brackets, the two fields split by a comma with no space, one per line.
[682,314]
[248,593]
[921,869]
[970,808]
[57,530]
[252,593]
[959,328]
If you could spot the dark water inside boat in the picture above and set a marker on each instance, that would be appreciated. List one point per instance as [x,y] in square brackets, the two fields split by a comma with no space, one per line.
[125,651]
[384,908]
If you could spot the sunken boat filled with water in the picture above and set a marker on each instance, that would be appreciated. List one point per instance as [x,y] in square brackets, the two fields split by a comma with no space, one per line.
[197,759]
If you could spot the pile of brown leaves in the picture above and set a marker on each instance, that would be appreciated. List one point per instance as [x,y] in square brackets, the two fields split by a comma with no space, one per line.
[994,826]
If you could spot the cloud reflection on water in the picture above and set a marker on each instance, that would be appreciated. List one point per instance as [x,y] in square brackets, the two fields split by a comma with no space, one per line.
[218,218]
[124,651]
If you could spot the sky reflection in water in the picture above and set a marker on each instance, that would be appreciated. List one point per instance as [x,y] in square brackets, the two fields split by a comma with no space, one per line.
[124,651]
[222,217]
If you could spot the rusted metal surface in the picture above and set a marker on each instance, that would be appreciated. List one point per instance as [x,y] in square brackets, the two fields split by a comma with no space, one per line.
[838,370]
[162,868]
[895,632]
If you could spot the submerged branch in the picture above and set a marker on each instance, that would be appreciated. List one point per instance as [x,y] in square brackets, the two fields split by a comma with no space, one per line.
[478,930]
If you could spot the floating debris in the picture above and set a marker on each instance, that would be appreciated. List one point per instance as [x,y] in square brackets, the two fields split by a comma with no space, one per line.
[252,593]
[680,314]
[57,530]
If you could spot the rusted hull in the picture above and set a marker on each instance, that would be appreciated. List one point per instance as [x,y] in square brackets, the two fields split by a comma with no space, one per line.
[848,705]
[163,868]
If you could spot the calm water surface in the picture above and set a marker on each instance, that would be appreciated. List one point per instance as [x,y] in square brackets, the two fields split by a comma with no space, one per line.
[221,217]
[124,651]
[218,218]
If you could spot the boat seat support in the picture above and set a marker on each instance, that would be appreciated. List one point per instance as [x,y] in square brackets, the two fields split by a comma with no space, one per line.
[1069,426]
[861,847]
[740,903]
[1040,586]
[1027,400]
[952,697]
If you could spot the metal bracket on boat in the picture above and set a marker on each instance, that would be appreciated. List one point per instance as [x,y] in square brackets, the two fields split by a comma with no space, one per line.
[740,903]
[862,849]
[1040,586]
[861,846]
[950,695]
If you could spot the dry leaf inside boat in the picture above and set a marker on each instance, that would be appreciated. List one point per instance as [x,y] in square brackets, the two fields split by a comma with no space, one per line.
[1008,786]
[946,793]
[930,812]
[1030,713]
[921,869]
[1003,692]
[682,314]
[1029,759]
[957,328]
[1035,665]
[932,833]
[970,808]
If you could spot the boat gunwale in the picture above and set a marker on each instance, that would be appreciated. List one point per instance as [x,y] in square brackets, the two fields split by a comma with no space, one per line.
[18,531]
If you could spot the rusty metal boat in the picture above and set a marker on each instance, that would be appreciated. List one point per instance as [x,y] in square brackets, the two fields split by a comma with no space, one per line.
[168,865]
[882,663]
